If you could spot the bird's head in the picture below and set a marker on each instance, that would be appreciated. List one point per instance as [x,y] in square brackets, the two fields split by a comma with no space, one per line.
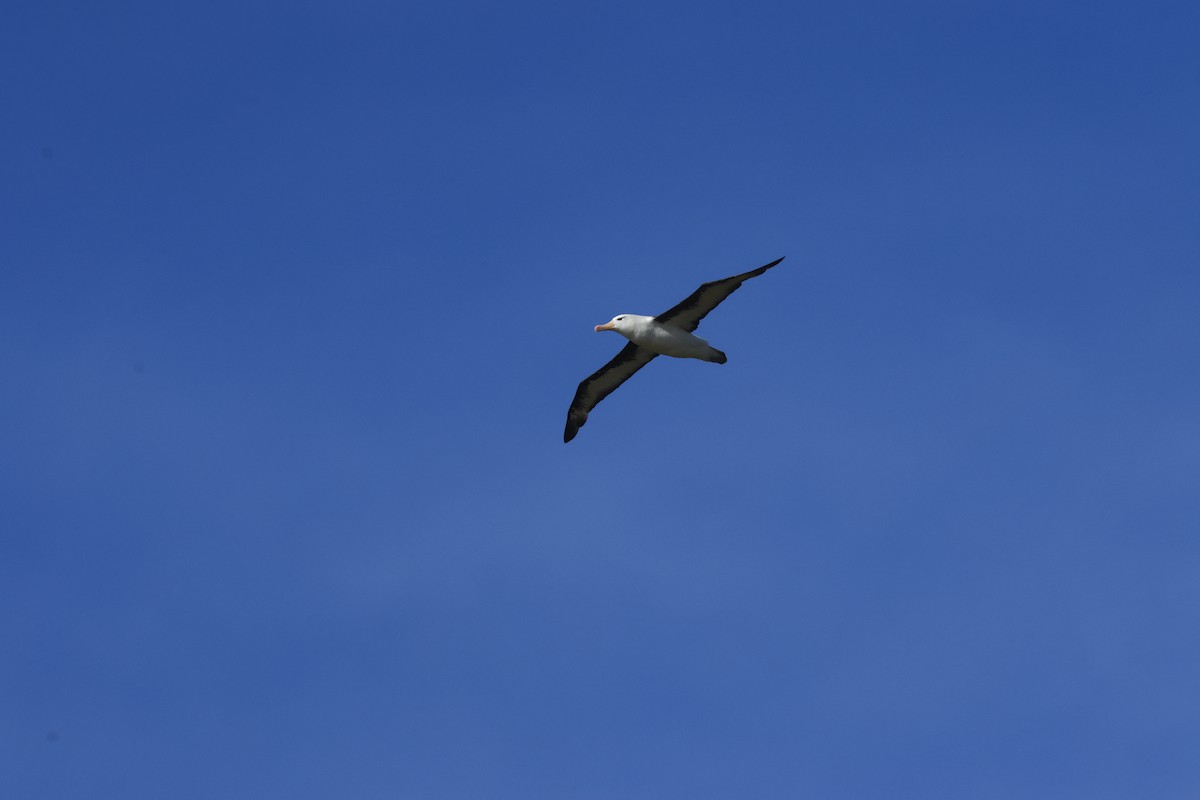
[620,324]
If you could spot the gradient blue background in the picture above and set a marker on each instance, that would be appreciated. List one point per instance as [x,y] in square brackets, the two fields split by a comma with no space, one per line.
[294,296]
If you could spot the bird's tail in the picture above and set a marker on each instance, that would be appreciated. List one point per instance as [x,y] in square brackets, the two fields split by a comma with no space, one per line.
[716,356]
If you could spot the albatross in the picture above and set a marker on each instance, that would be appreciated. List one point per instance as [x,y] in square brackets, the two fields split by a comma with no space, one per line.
[668,334]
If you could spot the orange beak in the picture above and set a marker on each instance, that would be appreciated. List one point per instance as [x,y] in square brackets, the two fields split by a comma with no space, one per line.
[608,326]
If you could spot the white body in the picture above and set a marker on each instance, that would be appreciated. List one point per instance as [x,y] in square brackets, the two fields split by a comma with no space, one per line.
[664,339]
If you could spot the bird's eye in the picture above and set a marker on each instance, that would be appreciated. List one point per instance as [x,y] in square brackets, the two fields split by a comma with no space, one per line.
[619,319]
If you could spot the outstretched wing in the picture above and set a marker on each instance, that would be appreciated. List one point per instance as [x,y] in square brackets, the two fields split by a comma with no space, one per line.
[601,384]
[687,315]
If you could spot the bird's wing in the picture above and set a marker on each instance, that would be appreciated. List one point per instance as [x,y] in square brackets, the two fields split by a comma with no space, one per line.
[601,383]
[687,314]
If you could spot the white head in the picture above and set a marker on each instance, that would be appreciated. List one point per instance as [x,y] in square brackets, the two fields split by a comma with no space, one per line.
[622,323]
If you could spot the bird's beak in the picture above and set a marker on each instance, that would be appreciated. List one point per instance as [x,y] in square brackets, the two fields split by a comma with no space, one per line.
[608,326]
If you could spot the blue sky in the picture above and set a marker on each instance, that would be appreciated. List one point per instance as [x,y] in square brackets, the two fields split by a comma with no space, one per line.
[294,297]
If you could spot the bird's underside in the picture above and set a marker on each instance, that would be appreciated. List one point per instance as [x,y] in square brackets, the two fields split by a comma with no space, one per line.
[667,334]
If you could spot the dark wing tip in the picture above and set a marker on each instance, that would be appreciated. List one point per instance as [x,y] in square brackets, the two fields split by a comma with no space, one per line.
[574,423]
[766,267]
[754,273]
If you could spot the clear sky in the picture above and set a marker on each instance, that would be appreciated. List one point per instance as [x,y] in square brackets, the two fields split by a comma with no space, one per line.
[294,297]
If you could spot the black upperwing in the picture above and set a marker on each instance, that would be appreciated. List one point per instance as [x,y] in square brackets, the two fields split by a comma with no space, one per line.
[695,306]
[601,383]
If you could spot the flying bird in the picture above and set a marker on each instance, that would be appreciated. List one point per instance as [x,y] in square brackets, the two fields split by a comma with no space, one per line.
[668,334]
